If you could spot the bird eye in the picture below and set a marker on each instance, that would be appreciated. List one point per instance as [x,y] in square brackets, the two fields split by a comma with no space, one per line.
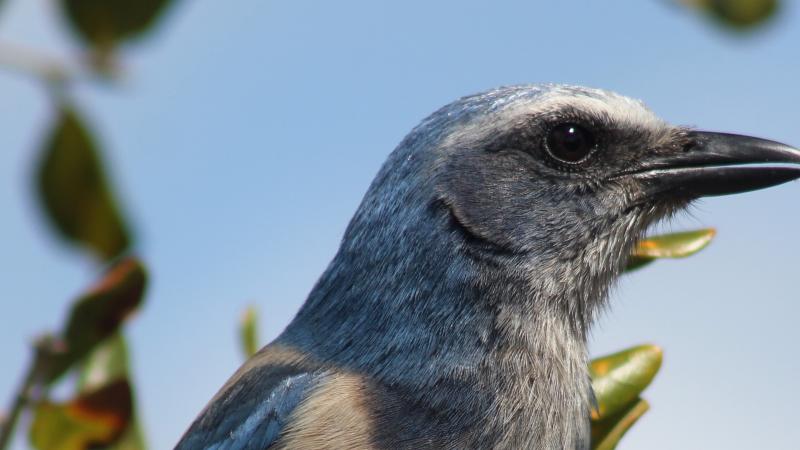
[570,142]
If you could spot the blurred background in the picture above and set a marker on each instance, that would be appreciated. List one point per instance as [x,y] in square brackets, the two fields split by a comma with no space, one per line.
[237,139]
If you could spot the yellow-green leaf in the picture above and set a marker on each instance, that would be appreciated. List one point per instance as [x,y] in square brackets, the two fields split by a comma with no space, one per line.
[673,245]
[74,191]
[97,315]
[248,332]
[94,419]
[618,379]
[607,433]
[103,23]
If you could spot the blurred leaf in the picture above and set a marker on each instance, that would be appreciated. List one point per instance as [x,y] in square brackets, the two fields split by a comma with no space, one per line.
[248,332]
[132,439]
[618,379]
[97,315]
[104,23]
[607,433]
[673,245]
[74,192]
[93,419]
[110,361]
[738,15]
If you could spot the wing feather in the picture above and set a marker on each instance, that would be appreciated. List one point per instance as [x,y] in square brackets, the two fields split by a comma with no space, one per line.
[243,419]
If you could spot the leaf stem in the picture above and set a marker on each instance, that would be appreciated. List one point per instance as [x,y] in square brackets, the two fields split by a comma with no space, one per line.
[32,62]
[20,400]
[29,388]
[54,72]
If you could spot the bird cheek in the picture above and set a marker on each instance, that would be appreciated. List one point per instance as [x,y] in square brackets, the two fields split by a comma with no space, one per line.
[474,220]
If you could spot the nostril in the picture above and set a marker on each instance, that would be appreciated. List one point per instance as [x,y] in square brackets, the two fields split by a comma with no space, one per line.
[689,146]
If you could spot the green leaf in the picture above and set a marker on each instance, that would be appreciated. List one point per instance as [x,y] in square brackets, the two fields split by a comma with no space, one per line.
[104,23]
[738,15]
[673,245]
[94,419]
[74,192]
[248,332]
[97,315]
[607,433]
[618,379]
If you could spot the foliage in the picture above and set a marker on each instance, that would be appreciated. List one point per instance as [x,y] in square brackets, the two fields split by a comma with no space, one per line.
[96,316]
[77,199]
[617,381]
[95,418]
[103,25]
[248,332]
[675,245]
[105,22]
[74,191]
[737,15]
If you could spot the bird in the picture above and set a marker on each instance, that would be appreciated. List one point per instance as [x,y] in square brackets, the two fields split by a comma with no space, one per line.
[456,310]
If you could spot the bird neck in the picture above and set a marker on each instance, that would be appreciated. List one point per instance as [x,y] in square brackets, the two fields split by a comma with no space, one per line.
[455,333]
[425,306]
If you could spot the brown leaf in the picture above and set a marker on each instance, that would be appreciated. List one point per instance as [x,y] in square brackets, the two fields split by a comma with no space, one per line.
[107,362]
[97,315]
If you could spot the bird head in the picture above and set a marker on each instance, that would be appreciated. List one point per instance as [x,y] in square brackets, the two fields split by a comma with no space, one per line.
[561,165]
[526,201]
[550,184]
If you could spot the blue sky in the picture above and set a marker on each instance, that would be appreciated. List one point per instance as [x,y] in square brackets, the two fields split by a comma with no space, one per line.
[245,134]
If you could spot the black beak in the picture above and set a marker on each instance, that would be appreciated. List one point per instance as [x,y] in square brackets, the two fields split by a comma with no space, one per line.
[719,164]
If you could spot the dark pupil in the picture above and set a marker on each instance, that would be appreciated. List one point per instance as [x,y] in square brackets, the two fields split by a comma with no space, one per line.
[570,142]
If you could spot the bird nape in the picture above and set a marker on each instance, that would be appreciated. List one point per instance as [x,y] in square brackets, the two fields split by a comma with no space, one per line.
[455,313]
